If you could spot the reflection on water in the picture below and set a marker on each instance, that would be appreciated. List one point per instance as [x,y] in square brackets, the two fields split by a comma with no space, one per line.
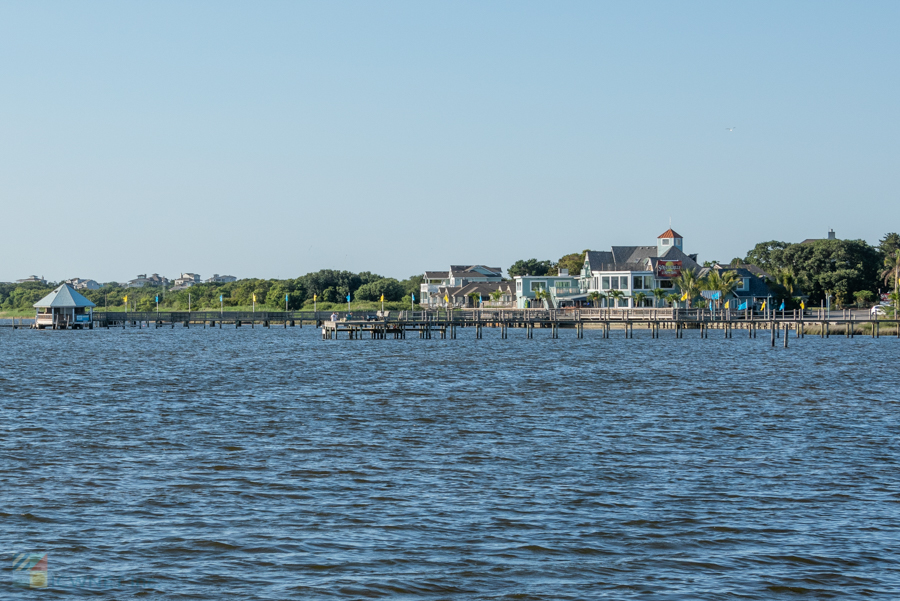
[269,464]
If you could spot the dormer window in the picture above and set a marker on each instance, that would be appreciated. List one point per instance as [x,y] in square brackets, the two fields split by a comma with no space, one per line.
[665,241]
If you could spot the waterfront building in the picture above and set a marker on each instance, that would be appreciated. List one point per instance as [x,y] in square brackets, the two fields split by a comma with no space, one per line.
[636,269]
[430,290]
[63,308]
[565,290]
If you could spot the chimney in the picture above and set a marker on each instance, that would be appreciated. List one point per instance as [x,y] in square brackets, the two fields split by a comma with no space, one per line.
[831,235]
[563,271]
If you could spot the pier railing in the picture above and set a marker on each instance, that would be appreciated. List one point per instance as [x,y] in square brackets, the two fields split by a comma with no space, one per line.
[487,315]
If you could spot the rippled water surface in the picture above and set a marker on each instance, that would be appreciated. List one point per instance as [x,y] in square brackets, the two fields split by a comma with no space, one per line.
[269,464]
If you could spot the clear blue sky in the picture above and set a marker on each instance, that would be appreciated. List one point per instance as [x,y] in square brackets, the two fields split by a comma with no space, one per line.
[272,139]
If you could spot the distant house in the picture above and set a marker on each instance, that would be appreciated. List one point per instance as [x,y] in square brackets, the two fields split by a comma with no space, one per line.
[221,279]
[82,284]
[33,278]
[142,280]
[185,281]
[430,290]
[831,236]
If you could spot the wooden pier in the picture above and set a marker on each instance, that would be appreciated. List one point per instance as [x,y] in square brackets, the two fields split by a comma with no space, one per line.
[447,324]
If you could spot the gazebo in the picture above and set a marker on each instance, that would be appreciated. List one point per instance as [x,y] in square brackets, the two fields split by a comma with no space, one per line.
[64,308]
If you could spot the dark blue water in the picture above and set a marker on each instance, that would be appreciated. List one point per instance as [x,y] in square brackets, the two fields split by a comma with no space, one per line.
[269,464]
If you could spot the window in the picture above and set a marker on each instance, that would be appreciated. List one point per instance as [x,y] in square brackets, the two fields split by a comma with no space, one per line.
[538,286]
[642,282]
[562,284]
[623,302]
[665,241]
[614,282]
[743,284]
[606,282]
[519,286]
[623,282]
[666,284]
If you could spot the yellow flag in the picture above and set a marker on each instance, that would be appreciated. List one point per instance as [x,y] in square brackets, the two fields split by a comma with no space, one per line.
[254,298]
[763,308]
[315,297]
[382,298]
[446,300]
[802,305]
[726,303]
[126,298]
[684,296]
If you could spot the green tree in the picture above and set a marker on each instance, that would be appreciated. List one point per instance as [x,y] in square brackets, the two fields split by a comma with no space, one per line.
[530,267]
[639,298]
[863,297]
[595,298]
[767,255]
[372,291]
[889,244]
[573,262]
[659,294]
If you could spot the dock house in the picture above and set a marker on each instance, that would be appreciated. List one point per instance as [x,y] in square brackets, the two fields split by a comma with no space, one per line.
[64,308]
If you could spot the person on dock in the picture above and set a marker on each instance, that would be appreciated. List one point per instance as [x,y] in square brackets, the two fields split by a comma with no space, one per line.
[334,317]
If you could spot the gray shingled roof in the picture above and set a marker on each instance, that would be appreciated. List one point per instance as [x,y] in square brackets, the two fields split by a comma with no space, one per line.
[64,297]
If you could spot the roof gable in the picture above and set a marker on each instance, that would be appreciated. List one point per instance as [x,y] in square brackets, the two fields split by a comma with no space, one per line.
[670,233]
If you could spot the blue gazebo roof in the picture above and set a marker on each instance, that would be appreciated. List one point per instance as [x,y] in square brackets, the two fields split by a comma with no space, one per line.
[63,297]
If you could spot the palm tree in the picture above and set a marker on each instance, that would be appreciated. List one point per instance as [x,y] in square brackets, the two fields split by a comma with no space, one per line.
[616,295]
[542,294]
[892,268]
[724,282]
[689,284]
[496,295]
[787,280]
[595,297]
[658,295]
[639,299]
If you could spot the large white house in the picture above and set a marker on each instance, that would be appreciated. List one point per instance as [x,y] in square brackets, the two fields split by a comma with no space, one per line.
[636,269]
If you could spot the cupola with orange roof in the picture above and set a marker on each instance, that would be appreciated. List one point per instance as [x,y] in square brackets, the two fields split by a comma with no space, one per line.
[667,240]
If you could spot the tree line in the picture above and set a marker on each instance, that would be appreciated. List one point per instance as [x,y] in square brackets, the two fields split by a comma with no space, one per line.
[325,287]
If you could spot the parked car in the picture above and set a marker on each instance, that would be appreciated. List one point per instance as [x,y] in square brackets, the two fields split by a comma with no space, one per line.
[879,310]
